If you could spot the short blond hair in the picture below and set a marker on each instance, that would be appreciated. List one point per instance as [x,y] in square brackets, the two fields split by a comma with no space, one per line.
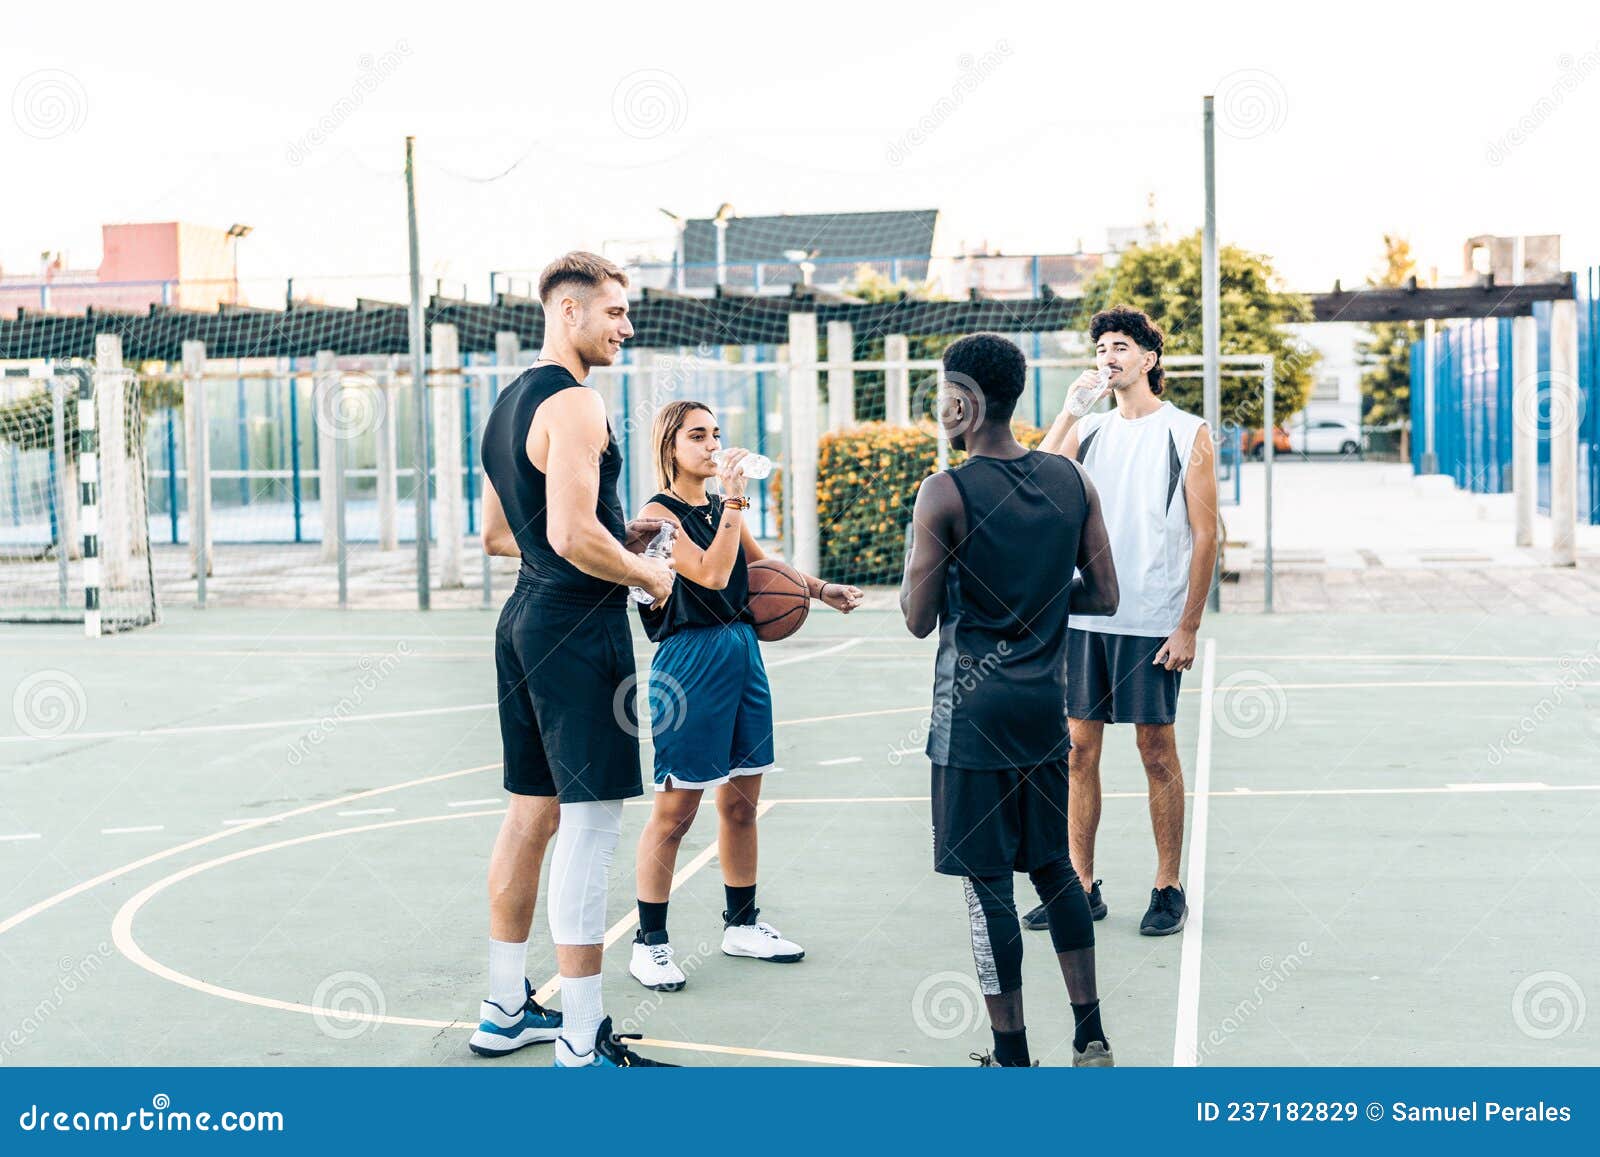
[589,270]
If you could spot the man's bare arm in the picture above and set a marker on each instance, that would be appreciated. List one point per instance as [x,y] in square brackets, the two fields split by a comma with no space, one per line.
[1094,588]
[934,521]
[497,534]
[574,421]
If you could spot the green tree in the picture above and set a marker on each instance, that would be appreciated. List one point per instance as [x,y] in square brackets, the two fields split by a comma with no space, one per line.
[1386,349]
[1163,279]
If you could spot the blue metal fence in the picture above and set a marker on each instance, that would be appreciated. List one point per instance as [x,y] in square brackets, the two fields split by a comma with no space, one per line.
[1472,402]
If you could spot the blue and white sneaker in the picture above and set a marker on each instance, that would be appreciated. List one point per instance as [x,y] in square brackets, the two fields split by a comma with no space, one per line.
[501,1032]
[609,1052]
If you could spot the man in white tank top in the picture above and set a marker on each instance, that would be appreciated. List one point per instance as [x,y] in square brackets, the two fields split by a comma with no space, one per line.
[1153,465]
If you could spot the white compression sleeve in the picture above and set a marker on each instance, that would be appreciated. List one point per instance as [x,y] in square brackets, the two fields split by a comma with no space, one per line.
[585,844]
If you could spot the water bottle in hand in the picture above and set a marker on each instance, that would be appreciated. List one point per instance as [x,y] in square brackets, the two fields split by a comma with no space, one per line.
[660,547]
[1082,401]
[756,466]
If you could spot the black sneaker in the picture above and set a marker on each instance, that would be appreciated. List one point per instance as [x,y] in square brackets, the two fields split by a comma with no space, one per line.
[1036,921]
[609,1052]
[1097,905]
[986,1061]
[1167,913]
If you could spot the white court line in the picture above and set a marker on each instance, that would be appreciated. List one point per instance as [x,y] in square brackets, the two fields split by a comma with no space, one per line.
[131,831]
[1184,1043]
[415,713]
[473,802]
[236,823]
[1524,786]
[374,811]
[631,921]
[82,886]
[264,725]
[837,762]
[22,836]
[1354,657]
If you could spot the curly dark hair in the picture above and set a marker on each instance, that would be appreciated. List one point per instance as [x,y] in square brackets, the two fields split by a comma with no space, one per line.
[996,365]
[1134,323]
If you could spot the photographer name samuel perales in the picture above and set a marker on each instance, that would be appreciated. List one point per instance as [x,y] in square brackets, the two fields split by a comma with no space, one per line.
[1485,1111]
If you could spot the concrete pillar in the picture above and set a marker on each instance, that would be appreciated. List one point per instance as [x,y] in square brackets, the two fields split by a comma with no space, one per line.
[648,381]
[384,432]
[1525,425]
[325,388]
[800,435]
[116,506]
[450,507]
[841,382]
[197,454]
[897,382]
[1564,433]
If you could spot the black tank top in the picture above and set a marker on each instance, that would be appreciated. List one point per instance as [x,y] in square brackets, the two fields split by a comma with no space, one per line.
[999,686]
[691,604]
[520,486]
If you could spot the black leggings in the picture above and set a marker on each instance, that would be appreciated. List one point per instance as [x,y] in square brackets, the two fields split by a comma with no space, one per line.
[996,934]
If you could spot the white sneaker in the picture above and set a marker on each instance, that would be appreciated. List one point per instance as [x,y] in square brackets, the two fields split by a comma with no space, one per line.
[652,966]
[762,941]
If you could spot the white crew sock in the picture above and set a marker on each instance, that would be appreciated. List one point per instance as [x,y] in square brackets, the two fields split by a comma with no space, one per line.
[508,968]
[582,1010]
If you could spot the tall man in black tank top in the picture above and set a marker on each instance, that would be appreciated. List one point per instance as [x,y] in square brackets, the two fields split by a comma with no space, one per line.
[564,658]
[995,544]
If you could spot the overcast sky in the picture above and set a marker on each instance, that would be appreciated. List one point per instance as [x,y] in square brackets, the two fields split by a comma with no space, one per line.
[1337,123]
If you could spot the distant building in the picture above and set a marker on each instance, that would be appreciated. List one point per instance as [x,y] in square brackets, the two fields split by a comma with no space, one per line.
[772,254]
[158,263]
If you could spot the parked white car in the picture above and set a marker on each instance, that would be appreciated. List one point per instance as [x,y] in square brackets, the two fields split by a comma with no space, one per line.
[1323,436]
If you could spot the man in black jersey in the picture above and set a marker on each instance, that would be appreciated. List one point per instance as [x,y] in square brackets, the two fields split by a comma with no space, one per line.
[995,544]
[564,657]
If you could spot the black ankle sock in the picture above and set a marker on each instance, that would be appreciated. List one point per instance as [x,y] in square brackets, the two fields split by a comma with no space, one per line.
[741,904]
[1011,1049]
[652,922]
[1088,1019]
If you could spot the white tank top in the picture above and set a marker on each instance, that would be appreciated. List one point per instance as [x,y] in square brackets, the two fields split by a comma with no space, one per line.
[1139,467]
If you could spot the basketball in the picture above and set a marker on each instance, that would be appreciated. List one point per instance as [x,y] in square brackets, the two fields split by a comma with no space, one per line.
[778,599]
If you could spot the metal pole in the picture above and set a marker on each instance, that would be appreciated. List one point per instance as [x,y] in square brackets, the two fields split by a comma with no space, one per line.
[197,513]
[1269,390]
[338,511]
[58,422]
[1211,327]
[1430,459]
[419,382]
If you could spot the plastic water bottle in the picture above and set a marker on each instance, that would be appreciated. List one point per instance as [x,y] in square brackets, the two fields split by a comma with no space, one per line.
[757,466]
[1081,404]
[660,547]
